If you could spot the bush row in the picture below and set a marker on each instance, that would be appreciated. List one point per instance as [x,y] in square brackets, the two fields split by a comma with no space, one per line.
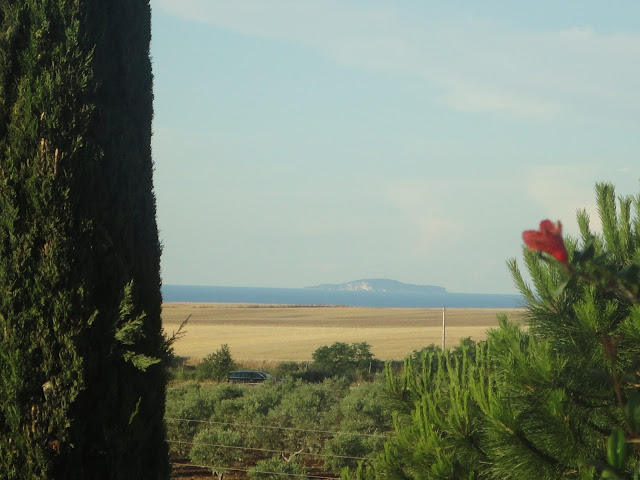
[279,426]
[352,362]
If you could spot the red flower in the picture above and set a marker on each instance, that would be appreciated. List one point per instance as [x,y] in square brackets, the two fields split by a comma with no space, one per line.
[547,239]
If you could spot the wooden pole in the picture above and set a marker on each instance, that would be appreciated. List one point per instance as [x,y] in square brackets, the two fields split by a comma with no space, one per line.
[444,324]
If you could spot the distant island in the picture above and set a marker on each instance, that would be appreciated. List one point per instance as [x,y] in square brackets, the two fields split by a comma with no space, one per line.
[375,292]
[380,285]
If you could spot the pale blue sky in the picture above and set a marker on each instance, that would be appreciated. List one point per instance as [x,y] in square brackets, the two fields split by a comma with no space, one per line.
[305,142]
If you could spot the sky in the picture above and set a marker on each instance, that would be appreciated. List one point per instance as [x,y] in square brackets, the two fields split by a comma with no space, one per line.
[300,142]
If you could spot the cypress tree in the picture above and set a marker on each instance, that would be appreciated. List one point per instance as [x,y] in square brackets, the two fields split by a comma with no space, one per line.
[82,376]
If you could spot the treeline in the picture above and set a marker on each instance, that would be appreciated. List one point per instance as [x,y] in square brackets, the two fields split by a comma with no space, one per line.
[350,362]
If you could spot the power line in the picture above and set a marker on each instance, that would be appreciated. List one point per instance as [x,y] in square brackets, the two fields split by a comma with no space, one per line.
[234,447]
[212,422]
[234,469]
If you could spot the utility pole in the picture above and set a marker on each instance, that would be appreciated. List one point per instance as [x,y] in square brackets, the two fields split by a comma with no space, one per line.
[444,324]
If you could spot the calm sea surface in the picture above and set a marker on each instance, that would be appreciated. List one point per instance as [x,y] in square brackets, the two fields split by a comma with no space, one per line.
[303,296]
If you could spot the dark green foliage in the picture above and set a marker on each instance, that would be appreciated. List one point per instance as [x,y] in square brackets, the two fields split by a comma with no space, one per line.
[82,381]
[188,404]
[343,360]
[217,365]
[218,447]
[275,469]
[291,370]
[437,429]
[352,362]
[546,403]
[291,423]
[346,451]
[180,370]
[295,410]
[364,417]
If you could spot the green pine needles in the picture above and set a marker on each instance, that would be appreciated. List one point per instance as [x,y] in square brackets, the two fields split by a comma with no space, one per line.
[560,399]
[82,376]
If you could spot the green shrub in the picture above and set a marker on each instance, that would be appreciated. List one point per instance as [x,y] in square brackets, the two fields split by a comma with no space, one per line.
[216,366]
[260,401]
[364,420]
[218,449]
[306,409]
[345,451]
[291,370]
[366,409]
[288,416]
[343,360]
[180,371]
[191,404]
[275,469]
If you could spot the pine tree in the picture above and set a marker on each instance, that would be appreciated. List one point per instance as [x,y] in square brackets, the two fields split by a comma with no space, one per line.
[560,400]
[587,315]
[82,381]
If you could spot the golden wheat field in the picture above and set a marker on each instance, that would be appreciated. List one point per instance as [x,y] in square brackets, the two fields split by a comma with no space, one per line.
[263,334]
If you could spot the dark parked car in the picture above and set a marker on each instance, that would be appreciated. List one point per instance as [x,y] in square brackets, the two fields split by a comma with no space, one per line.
[247,376]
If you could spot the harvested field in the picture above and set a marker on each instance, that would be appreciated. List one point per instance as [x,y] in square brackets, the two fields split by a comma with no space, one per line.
[264,334]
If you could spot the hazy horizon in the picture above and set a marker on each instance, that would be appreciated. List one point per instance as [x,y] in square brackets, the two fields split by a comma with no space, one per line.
[315,296]
[318,284]
[298,143]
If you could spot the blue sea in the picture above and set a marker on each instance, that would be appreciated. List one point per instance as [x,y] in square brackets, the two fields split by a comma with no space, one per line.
[304,296]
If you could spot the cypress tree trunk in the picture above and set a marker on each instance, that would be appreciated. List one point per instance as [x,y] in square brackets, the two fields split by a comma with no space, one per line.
[82,377]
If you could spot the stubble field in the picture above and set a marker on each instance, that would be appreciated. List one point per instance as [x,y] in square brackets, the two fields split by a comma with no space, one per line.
[266,334]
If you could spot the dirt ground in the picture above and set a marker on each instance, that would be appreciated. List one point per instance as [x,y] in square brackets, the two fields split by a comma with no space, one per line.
[183,471]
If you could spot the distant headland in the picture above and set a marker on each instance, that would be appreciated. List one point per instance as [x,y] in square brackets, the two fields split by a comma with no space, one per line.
[378,292]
